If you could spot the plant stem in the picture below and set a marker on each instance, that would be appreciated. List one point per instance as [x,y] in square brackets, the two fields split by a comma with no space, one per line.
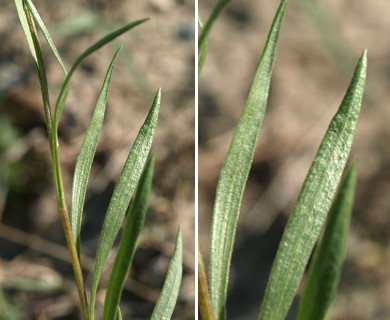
[203,291]
[53,140]
[78,274]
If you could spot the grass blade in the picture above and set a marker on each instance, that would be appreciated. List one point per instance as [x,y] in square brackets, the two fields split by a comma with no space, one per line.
[96,46]
[314,201]
[170,291]
[45,32]
[202,50]
[30,31]
[87,153]
[202,42]
[134,225]
[324,273]
[25,25]
[123,192]
[119,314]
[235,171]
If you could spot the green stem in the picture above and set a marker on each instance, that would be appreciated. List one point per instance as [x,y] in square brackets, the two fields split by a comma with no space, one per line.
[78,274]
[53,140]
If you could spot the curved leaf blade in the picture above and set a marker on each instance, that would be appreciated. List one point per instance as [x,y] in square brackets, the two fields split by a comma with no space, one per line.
[61,100]
[123,192]
[202,42]
[133,227]
[170,291]
[87,154]
[325,271]
[235,170]
[314,201]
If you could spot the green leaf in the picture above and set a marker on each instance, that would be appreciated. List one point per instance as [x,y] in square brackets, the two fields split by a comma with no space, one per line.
[170,291]
[87,153]
[202,42]
[96,46]
[314,201]
[202,50]
[30,31]
[134,224]
[235,170]
[119,314]
[23,21]
[324,273]
[45,32]
[123,192]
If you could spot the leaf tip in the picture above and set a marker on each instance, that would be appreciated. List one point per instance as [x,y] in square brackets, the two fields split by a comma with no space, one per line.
[157,98]
[354,165]
[152,158]
[179,236]
[363,58]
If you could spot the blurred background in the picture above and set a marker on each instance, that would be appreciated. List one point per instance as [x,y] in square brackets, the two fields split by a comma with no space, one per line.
[36,280]
[319,45]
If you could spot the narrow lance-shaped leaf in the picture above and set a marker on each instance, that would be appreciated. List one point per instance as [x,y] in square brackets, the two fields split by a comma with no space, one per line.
[35,48]
[314,201]
[235,170]
[133,227]
[324,273]
[170,291]
[45,32]
[62,99]
[97,45]
[123,192]
[23,21]
[87,153]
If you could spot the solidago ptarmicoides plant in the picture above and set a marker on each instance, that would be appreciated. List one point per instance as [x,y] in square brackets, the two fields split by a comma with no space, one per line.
[314,205]
[131,192]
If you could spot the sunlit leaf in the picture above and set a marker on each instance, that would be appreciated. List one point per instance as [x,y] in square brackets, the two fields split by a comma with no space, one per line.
[123,192]
[235,170]
[133,227]
[87,153]
[314,201]
[170,291]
